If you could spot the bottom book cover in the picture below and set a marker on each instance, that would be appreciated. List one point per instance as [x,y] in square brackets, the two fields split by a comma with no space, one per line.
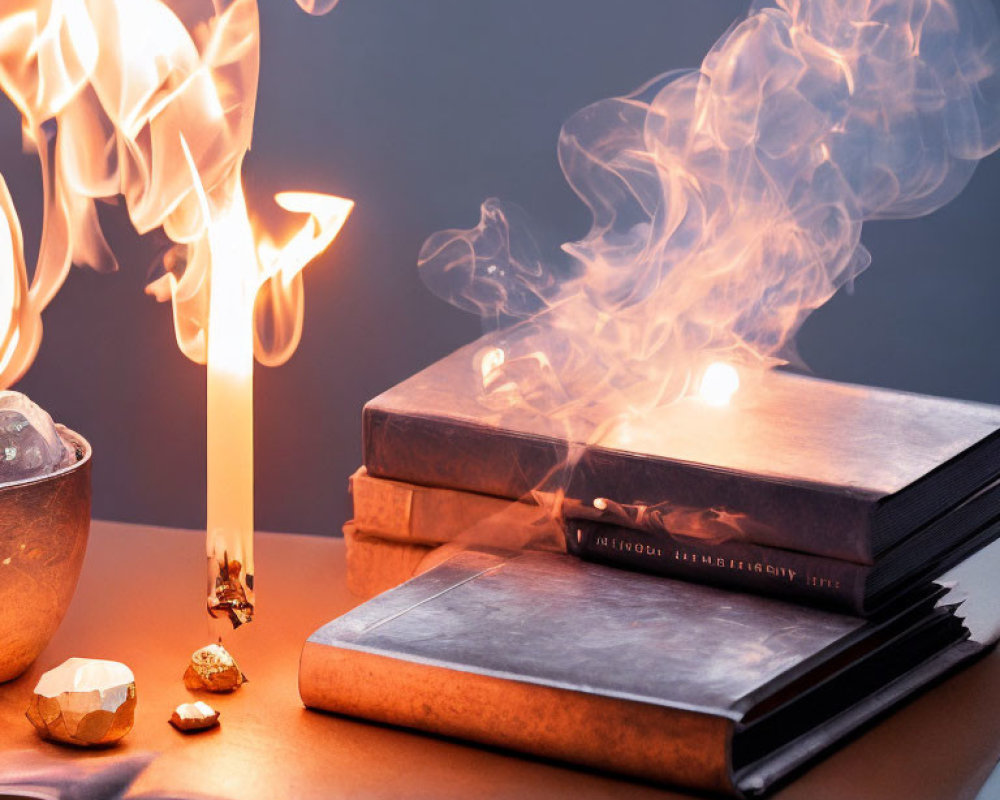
[658,679]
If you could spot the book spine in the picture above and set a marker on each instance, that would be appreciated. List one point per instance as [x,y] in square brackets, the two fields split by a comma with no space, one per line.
[410,513]
[454,454]
[826,582]
[644,740]
[375,565]
[440,452]
[382,507]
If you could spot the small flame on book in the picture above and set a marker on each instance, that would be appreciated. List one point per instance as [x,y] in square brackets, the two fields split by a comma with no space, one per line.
[719,383]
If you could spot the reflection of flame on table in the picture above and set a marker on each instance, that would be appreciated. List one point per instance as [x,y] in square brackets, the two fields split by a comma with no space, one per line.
[155,103]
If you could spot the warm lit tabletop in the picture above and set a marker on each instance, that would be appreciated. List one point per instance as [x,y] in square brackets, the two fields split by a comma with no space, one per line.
[140,600]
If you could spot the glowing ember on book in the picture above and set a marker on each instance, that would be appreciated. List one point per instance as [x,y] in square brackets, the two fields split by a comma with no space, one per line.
[719,383]
[154,101]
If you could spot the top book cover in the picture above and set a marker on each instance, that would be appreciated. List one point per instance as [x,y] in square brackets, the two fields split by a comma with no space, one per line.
[797,462]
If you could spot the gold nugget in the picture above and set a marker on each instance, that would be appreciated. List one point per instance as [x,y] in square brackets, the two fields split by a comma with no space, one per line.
[191,717]
[84,701]
[213,669]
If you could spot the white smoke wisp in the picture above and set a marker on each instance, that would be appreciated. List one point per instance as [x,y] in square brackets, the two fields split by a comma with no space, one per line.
[728,201]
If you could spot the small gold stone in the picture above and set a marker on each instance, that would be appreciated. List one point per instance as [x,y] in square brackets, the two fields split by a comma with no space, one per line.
[212,668]
[190,717]
[84,701]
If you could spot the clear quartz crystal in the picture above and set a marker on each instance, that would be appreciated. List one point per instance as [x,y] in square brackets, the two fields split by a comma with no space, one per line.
[30,444]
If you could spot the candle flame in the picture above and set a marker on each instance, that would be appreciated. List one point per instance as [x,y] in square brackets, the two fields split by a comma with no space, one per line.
[153,102]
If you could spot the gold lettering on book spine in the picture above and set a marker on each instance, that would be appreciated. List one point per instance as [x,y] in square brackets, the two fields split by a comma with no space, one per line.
[605,542]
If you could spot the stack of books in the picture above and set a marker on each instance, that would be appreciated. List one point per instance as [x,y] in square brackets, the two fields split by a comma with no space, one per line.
[835,495]
[704,596]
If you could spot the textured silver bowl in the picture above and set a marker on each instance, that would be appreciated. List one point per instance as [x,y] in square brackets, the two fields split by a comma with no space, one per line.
[44,525]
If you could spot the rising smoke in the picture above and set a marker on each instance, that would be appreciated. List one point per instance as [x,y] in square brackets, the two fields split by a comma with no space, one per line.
[728,201]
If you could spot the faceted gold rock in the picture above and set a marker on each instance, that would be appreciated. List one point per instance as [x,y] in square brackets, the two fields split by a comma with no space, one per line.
[84,701]
[213,669]
[190,717]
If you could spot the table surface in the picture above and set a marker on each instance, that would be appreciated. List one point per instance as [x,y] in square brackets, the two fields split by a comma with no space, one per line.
[140,601]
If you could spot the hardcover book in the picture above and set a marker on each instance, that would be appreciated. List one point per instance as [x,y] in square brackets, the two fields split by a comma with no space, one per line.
[664,680]
[860,589]
[407,512]
[395,513]
[796,462]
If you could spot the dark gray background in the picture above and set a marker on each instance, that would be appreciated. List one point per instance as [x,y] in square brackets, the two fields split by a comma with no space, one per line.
[418,110]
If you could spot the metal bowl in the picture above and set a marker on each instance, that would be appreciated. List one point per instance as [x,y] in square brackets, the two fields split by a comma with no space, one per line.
[44,524]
